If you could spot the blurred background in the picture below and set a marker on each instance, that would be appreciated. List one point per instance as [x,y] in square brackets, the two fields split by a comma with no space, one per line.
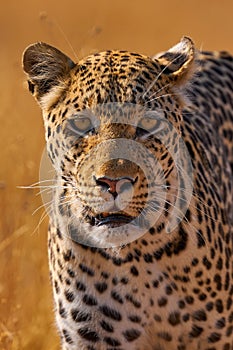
[77,28]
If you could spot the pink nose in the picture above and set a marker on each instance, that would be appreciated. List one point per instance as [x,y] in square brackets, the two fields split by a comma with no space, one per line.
[115,186]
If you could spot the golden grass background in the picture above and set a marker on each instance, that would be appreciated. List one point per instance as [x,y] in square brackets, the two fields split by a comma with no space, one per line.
[149,26]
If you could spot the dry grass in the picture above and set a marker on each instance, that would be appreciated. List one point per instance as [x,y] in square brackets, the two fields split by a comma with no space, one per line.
[26,317]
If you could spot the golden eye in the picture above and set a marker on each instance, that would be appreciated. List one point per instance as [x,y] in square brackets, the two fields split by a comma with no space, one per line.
[148,124]
[81,125]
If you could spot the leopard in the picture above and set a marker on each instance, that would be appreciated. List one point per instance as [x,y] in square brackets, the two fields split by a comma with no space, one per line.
[140,240]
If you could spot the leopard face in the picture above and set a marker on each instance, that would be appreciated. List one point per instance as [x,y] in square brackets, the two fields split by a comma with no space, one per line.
[142,207]
[114,143]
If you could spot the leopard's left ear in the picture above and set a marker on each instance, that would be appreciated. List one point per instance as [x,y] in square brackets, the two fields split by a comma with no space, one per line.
[46,68]
[178,62]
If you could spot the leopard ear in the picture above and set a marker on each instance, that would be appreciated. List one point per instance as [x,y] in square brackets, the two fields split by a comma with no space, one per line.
[178,62]
[46,68]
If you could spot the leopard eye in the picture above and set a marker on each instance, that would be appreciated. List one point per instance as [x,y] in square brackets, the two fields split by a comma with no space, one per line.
[81,125]
[148,124]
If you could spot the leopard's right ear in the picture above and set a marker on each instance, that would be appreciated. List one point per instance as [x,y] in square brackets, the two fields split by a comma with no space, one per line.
[46,68]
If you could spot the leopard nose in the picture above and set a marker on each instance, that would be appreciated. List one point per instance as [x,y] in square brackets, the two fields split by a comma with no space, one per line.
[117,185]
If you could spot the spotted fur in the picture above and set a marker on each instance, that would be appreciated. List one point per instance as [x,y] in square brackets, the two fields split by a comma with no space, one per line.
[165,290]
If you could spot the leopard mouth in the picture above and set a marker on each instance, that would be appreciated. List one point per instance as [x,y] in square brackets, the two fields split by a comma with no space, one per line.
[111,220]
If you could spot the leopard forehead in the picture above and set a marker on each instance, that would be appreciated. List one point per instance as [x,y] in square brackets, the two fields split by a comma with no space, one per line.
[115,76]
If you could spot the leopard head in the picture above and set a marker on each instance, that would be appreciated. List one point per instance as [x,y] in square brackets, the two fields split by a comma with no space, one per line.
[113,126]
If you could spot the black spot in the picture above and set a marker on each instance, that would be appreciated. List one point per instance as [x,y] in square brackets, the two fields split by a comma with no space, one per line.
[64,112]
[89,300]
[124,280]
[189,299]
[56,286]
[111,313]
[207,263]
[70,273]
[209,306]
[229,303]
[196,331]
[128,258]
[165,335]
[229,331]
[80,286]
[112,341]
[158,254]
[48,132]
[195,262]
[174,318]
[219,264]
[80,316]
[162,302]
[105,275]
[61,310]
[138,252]
[186,317]
[157,318]
[227,346]
[88,334]
[218,281]
[86,269]
[200,239]
[202,296]
[144,242]
[214,337]
[186,269]
[131,334]
[219,305]
[59,233]
[107,326]
[117,261]
[67,255]
[69,296]
[114,281]
[101,287]
[168,290]
[31,87]
[199,315]
[132,300]
[155,284]
[181,304]
[152,231]
[67,337]
[220,323]
[134,271]
[116,296]
[134,318]
[148,258]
